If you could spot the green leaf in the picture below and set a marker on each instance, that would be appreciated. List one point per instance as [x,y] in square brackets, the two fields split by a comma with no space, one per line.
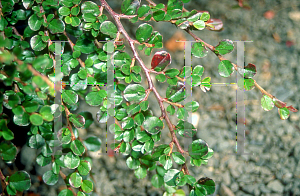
[139,119]
[132,163]
[224,47]
[153,125]
[64,11]
[77,147]
[109,28]
[249,71]
[205,16]
[142,136]
[284,113]
[65,192]
[20,181]
[50,178]
[247,84]
[35,22]
[198,70]
[170,177]
[93,98]
[36,119]
[87,186]
[192,106]
[75,11]
[178,158]
[166,161]
[161,78]
[8,151]
[11,190]
[84,168]
[199,24]
[157,181]
[56,26]
[171,109]
[267,103]
[198,148]
[75,180]
[90,7]
[134,93]
[129,7]
[207,184]
[30,106]
[37,43]
[70,97]
[141,172]
[36,141]
[144,32]
[185,129]
[92,143]
[144,9]
[172,72]
[46,113]
[176,93]
[84,45]
[71,161]
[22,120]
[159,15]
[144,105]
[205,84]
[199,50]
[225,68]
[77,120]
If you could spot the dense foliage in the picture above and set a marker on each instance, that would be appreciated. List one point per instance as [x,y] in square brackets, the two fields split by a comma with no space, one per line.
[28,54]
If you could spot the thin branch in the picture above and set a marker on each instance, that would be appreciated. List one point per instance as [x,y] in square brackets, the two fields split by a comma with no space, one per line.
[69,123]
[116,18]
[172,103]
[36,73]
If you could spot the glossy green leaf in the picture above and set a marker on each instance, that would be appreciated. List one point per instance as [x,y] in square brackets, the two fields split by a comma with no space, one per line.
[192,106]
[20,180]
[134,93]
[35,22]
[109,28]
[198,70]
[132,163]
[205,84]
[199,50]
[199,24]
[176,93]
[171,109]
[77,147]
[37,43]
[64,11]
[284,113]
[36,119]
[8,151]
[56,26]
[172,72]
[159,15]
[129,7]
[75,180]
[225,68]
[90,7]
[92,143]
[70,97]
[198,148]
[249,71]
[65,192]
[153,125]
[170,177]
[144,9]
[84,168]
[94,98]
[140,172]
[178,158]
[50,178]
[166,161]
[30,106]
[87,186]
[224,47]
[46,113]
[247,84]
[207,184]
[36,141]
[267,103]
[143,32]
[77,120]
[71,161]
[139,119]
[161,78]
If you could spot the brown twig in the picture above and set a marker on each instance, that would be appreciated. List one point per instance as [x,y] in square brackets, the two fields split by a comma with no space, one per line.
[151,87]
[69,123]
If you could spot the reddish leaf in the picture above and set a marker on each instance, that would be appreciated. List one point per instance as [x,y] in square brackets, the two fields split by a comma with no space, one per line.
[214,24]
[160,60]
[279,103]
[292,109]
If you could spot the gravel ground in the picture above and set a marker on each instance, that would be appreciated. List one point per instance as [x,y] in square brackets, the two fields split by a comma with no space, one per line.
[274,169]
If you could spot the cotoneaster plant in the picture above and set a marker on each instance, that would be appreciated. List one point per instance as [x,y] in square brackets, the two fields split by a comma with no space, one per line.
[29,29]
